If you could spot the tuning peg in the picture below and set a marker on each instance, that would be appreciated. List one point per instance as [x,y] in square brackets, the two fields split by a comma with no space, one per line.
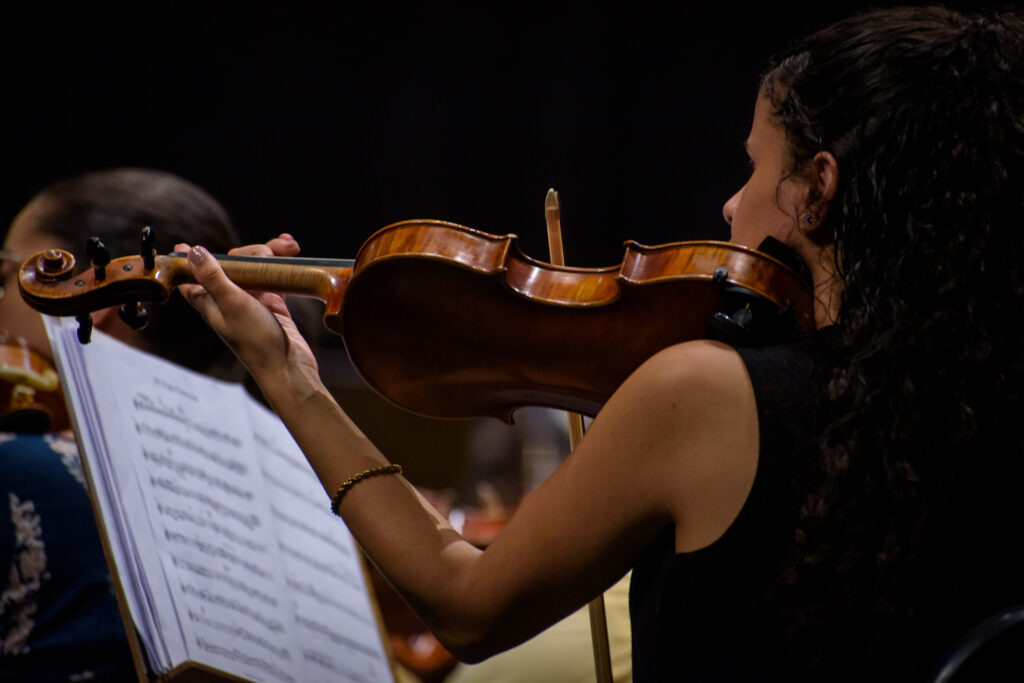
[133,315]
[743,316]
[99,256]
[148,248]
[84,327]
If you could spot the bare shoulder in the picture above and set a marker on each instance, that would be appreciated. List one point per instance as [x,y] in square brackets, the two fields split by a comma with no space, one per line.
[674,447]
[700,376]
[694,404]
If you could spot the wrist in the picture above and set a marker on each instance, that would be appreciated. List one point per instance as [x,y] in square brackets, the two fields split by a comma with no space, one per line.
[289,384]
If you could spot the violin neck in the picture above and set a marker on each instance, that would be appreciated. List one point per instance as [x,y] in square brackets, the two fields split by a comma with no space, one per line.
[318,278]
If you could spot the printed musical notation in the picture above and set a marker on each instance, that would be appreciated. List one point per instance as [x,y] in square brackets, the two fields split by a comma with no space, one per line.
[230,554]
[322,565]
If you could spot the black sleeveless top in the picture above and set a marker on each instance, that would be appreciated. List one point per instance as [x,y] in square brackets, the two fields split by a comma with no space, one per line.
[717,614]
[700,616]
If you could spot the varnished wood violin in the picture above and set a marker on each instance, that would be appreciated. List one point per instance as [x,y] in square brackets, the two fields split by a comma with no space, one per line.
[448,321]
[30,389]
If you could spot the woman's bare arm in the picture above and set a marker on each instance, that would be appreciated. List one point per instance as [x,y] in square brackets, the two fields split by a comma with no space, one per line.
[676,444]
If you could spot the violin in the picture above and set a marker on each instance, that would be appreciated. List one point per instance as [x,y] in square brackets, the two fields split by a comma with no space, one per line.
[448,321]
[30,389]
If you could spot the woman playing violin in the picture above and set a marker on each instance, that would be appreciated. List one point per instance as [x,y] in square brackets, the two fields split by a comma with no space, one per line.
[844,507]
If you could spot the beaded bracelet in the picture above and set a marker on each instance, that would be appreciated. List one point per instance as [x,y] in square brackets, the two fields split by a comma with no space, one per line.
[352,481]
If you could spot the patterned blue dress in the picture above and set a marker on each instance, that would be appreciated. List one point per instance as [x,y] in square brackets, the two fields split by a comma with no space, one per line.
[58,615]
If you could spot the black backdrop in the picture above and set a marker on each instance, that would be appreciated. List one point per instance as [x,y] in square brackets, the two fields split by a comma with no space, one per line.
[329,124]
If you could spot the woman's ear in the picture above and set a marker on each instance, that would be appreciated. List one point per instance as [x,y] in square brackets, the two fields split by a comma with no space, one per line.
[822,184]
[824,180]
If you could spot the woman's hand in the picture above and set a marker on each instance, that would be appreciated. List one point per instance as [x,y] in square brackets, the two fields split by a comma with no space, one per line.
[255,325]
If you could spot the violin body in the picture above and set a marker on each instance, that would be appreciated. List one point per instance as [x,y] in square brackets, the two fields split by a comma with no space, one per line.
[495,330]
[447,321]
[30,388]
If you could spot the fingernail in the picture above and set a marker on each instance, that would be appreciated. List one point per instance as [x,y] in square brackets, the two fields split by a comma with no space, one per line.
[197,255]
[287,236]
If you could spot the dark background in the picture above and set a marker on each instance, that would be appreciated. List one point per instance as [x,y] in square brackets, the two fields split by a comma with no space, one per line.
[330,120]
[329,124]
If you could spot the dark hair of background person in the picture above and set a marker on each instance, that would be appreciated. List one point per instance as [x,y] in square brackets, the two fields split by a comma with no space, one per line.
[923,109]
[115,205]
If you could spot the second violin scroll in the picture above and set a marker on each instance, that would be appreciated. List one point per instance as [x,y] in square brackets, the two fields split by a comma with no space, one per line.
[448,321]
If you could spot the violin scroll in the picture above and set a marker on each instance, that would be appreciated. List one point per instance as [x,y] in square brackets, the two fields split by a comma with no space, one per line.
[55,264]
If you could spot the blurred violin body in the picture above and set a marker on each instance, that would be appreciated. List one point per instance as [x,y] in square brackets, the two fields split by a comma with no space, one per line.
[447,321]
[30,390]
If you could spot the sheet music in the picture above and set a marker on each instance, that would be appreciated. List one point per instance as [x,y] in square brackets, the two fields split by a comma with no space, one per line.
[150,608]
[225,559]
[335,620]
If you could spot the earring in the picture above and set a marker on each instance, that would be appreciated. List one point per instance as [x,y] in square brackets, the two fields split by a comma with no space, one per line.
[808,219]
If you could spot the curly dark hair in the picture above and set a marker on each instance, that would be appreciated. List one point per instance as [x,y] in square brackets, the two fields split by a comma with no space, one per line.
[911,496]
